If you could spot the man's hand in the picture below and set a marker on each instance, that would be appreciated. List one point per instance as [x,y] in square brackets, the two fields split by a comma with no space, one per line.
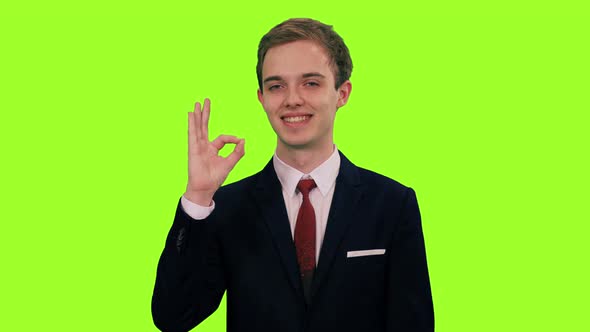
[206,168]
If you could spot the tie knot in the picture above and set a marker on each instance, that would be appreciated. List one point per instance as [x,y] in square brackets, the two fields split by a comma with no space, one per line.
[305,186]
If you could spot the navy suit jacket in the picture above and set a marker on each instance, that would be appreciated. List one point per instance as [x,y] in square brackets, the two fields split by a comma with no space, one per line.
[245,247]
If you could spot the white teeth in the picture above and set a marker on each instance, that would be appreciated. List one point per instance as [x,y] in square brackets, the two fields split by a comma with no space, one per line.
[296,118]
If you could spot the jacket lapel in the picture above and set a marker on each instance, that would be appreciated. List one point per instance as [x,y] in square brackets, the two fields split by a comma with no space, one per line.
[269,197]
[347,193]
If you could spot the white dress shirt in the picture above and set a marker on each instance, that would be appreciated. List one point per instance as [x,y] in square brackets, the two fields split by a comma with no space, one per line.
[321,197]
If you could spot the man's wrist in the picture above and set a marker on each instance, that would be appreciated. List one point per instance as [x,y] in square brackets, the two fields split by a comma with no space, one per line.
[201,198]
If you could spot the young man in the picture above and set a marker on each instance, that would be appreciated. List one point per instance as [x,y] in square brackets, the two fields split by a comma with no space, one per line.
[311,242]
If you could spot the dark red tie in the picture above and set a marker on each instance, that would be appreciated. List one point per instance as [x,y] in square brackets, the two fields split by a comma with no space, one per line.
[305,236]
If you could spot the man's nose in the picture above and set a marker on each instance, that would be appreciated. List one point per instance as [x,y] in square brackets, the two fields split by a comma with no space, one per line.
[293,98]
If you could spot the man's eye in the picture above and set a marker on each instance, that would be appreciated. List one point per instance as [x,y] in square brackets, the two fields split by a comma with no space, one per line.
[312,84]
[272,87]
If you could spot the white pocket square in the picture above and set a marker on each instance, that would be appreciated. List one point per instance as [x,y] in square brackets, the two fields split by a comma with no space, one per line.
[358,253]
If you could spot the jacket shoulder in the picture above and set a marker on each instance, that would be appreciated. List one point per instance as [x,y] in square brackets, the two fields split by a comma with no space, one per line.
[376,182]
[234,190]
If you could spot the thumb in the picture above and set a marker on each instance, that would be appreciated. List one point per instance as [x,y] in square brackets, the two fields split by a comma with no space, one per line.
[236,154]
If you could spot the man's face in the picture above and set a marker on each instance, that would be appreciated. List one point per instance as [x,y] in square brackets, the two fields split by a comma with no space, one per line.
[298,95]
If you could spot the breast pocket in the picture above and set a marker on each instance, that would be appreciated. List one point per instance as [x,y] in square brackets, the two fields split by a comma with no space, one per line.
[363,253]
[366,265]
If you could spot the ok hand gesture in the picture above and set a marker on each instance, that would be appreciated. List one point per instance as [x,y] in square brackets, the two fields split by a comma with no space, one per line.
[206,168]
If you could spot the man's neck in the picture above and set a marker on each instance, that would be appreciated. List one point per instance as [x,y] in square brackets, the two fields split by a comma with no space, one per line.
[304,160]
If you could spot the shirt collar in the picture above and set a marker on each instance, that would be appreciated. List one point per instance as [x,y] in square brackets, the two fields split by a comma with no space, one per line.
[324,175]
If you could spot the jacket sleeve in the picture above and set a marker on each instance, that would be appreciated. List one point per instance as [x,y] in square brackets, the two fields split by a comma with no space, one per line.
[190,279]
[409,298]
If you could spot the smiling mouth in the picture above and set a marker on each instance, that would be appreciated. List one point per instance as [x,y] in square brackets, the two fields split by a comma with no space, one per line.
[296,119]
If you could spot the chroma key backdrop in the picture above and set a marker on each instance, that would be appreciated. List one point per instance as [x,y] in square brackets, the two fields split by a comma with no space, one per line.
[484,105]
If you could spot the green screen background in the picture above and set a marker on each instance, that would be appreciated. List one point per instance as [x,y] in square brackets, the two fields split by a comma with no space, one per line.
[481,108]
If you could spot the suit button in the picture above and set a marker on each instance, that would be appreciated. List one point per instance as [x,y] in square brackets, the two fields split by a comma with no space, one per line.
[180,239]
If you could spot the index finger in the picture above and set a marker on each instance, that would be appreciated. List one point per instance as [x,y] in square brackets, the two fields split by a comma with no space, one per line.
[222,140]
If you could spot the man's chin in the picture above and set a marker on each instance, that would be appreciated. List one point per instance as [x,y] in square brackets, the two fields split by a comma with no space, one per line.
[296,144]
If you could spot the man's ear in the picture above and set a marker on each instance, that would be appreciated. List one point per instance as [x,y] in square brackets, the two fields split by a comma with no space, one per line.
[260,96]
[343,93]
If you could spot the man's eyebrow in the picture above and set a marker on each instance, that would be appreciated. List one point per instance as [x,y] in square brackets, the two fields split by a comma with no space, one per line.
[306,75]
[272,78]
[279,78]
